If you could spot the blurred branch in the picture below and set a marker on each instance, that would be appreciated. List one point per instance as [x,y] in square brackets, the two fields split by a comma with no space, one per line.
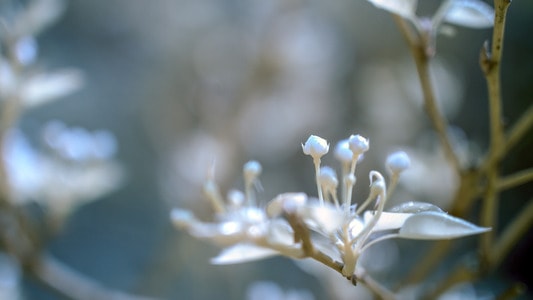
[428,262]
[512,234]
[460,274]
[519,130]
[74,285]
[490,64]
[515,179]
[380,291]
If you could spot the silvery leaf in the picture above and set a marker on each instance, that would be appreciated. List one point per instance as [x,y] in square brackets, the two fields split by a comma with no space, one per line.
[242,253]
[404,8]
[470,13]
[414,207]
[432,225]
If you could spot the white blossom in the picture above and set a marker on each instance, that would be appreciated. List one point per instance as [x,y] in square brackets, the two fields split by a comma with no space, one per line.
[315,146]
[293,223]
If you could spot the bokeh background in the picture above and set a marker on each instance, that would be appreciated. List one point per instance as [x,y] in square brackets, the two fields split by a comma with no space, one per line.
[184,82]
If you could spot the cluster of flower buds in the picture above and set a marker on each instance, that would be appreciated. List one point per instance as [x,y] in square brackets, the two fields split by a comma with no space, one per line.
[329,229]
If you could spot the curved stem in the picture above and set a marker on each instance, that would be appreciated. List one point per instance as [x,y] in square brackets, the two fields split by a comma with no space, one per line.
[512,235]
[418,49]
[515,179]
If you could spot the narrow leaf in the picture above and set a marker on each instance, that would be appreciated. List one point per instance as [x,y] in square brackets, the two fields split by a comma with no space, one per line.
[437,225]
[415,207]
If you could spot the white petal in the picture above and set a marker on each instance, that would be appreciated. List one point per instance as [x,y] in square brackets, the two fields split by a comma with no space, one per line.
[181,217]
[46,87]
[324,218]
[388,220]
[287,202]
[437,225]
[242,253]
[470,13]
[280,233]
[404,8]
[225,233]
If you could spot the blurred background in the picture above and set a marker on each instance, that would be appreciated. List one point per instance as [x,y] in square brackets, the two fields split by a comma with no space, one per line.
[181,83]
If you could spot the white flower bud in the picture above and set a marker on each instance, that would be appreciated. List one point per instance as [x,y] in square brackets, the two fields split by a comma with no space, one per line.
[252,169]
[328,178]
[358,144]
[398,162]
[343,152]
[315,146]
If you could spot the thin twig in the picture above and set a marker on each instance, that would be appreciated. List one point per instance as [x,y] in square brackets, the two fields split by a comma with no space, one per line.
[374,286]
[490,64]
[515,179]
[514,231]
[519,130]
[428,263]
[460,274]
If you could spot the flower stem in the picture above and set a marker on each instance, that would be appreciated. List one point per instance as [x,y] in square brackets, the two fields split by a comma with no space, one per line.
[418,47]
[316,162]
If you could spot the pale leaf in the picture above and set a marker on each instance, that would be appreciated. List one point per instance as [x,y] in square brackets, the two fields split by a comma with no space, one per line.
[241,253]
[437,225]
[470,13]
[415,207]
[404,8]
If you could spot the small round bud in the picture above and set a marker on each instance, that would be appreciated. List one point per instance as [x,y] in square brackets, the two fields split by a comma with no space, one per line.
[315,146]
[398,162]
[343,152]
[358,144]
[236,198]
[252,169]
[328,178]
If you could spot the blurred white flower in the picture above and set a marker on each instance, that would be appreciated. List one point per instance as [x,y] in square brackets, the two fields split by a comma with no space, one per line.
[467,13]
[78,167]
[19,79]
